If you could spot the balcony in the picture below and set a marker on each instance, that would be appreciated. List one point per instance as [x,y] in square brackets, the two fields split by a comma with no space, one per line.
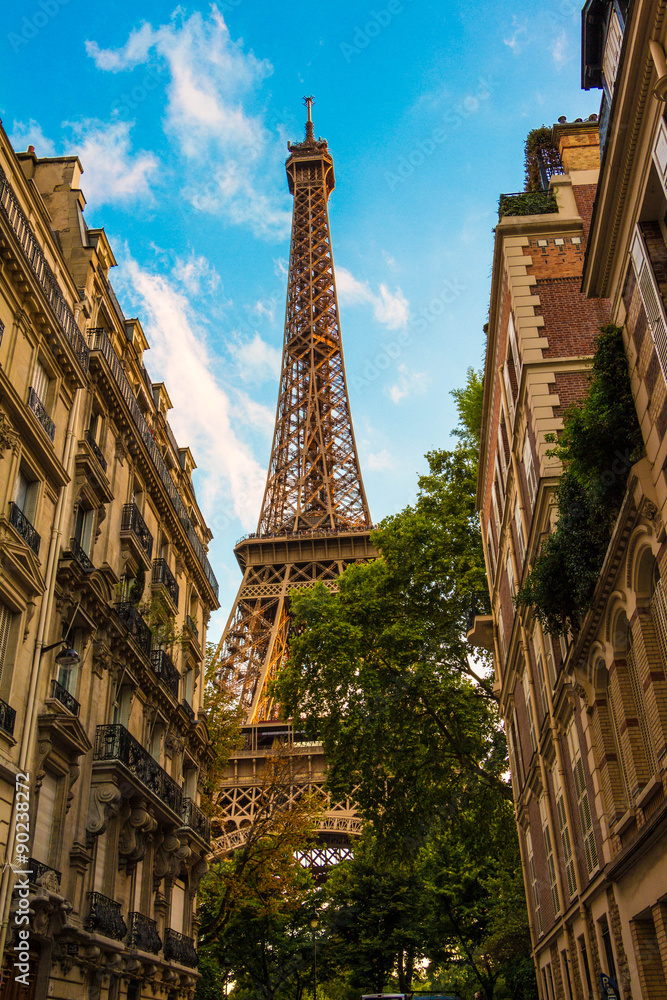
[134,523]
[143,934]
[163,577]
[163,666]
[197,821]
[188,709]
[43,876]
[7,718]
[45,277]
[104,916]
[527,203]
[25,529]
[79,554]
[114,743]
[136,626]
[62,695]
[38,408]
[192,626]
[102,345]
[96,450]
[181,949]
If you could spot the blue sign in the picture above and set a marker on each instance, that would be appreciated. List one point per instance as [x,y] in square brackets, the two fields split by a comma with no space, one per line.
[609,988]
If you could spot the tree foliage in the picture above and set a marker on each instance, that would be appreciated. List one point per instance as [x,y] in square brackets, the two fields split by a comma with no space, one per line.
[601,439]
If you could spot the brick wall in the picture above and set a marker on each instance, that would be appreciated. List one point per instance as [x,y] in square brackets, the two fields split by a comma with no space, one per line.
[572,322]
[584,195]
[570,387]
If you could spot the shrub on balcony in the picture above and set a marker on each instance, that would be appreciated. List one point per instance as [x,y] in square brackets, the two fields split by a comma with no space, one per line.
[600,441]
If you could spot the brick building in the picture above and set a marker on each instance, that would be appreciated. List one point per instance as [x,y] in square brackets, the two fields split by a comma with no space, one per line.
[105,594]
[586,713]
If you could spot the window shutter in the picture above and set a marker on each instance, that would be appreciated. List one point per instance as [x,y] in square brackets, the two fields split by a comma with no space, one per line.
[529,467]
[583,803]
[533,882]
[529,709]
[565,841]
[6,617]
[548,849]
[651,298]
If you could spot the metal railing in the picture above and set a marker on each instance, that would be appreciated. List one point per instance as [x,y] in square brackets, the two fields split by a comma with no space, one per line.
[180,948]
[81,556]
[104,916]
[42,875]
[96,450]
[135,624]
[113,742]
[143,934]
[61,694]
[133,521]
[38,408]
[189,710]
[195,819]
[101,343]
[25,529]
[45,276]
[163,666]
[192,625]
[162,576]
[7,717]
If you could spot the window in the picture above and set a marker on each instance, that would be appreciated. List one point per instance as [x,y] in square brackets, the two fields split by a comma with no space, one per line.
[539,671]
[549,851]
[68,672]
[510,574]
[188,684]
[583,803]
[491,549]
[40,383]
[83,528]
[518,521]
[508,390]
[6,619]
[640,702]
[612,51]
[496,508]
[532,873]
[44,821]
[529,709]
[565,964]
[587,968]
[651,298]
[37,399]
[529,468]
[25,495]
[566,844]
[121,705]
[501,634]
[514,347]
[177,907]
[608,950]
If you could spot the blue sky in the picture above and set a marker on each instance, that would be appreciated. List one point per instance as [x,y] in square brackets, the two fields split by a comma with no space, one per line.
[180,117]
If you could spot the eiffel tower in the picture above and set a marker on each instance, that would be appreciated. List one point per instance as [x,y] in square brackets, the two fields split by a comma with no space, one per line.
[314,519]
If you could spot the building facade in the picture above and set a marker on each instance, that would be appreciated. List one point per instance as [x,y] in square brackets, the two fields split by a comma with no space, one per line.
[105,595]
[586,714]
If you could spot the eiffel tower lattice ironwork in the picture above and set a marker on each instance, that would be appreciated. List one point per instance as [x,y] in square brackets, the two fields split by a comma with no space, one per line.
[314,519]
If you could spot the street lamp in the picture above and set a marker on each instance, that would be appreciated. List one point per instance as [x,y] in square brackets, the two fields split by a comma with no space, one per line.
[314,921]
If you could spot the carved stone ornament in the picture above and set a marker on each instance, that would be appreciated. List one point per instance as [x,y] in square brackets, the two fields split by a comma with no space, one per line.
[197,872]
[105,800]
[8,436]
[137,831]
[167,863]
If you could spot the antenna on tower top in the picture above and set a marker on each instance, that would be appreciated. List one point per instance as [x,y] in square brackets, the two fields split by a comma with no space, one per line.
[309,101]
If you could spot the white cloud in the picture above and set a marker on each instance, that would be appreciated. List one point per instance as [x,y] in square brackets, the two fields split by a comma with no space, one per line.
[378,461]
[409,383]
[392,309]
[111,171]
[256,360]
[196,274]
[515,41]
[560,50]
[179,356]
[30,133]
[211,81]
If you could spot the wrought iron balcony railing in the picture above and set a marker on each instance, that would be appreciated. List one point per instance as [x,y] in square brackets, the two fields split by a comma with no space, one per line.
[527,203]
[181,949]
[104,916]
[100,342]
[143,934]
[80,555]
[45,276]
[163,666]
[192,625]
[162,576]
[61,694]
[7,718]
[96,450]
[25,529]
[195,819]
[113,742]
[136,626]
[189,710]
[38,408]
[42,875]
[133,521]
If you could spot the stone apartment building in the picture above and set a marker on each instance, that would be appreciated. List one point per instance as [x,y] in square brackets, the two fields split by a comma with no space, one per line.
[586,714]
[105,595]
